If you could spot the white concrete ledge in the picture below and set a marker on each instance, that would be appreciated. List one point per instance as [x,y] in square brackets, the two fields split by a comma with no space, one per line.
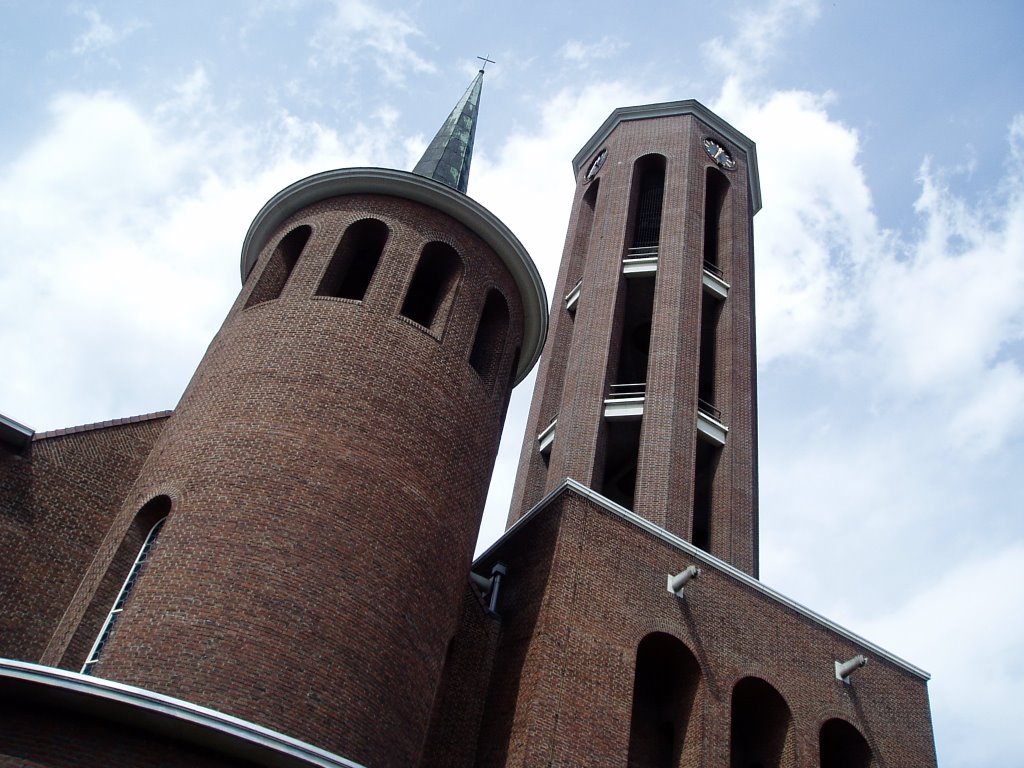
[154,712]
[711,428]
[645,265]
[715,285]
[546,438]
[624,408]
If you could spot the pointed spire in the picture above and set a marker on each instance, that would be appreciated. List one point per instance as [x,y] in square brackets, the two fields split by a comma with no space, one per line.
[449,154]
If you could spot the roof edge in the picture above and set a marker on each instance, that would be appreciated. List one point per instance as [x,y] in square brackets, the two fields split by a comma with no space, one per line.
[14,434]
[568,484]
[151,711]
[672,109]
[102,425]
[409,186]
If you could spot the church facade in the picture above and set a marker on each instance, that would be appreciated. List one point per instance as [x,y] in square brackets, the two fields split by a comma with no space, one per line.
[279,571]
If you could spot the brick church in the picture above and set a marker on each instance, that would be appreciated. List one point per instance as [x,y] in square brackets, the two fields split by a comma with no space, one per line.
[279,571]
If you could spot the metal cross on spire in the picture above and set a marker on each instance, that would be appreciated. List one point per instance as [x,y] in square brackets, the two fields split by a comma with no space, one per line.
[486,61]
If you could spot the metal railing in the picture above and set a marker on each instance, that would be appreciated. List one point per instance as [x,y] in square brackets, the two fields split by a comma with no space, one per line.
[627,391]
[714,269]
[642,252]
[706,407]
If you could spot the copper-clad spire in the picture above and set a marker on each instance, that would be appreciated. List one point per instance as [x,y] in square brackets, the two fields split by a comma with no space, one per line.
[448,157]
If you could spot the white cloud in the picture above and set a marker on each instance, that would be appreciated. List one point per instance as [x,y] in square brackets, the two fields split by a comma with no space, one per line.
[356,30]
[944,312]
[583,53]
[967,627]
[99,35]
[756,35]
[127,225]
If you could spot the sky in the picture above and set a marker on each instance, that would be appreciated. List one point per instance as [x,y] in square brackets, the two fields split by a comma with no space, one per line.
[138,141]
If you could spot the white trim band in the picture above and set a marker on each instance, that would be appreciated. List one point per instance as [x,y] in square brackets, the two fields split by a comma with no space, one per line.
[150,711]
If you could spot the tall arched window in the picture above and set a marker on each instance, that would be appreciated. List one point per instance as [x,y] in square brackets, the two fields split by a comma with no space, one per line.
[648,192]
[715,188]
[280,265]
[150,519]
[355,260]
[664,691]
[489,344]
[843,746]
[433,284]
[760,732]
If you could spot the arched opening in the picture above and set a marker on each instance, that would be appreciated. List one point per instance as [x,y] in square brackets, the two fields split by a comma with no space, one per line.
[580,247]
[489,344]
[355,260]
[280,265]
[433,284]
[140,538]
[664,691]
[715,188]
[648,193]
[759,734]
[843,746]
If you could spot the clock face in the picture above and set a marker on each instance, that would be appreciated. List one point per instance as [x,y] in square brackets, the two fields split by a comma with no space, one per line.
[596,165]
[719,155]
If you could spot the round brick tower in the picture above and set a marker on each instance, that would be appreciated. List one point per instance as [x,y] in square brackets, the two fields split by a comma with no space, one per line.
[326,468]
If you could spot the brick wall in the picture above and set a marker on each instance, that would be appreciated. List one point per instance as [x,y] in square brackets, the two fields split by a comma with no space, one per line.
[57,500]
[563,681]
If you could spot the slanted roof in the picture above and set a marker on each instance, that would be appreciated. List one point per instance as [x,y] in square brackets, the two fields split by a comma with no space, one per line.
[448,157]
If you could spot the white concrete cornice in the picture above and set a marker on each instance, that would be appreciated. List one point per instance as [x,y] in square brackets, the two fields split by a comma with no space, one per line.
[672,109]
[409,186]
[154,712]
[707,559]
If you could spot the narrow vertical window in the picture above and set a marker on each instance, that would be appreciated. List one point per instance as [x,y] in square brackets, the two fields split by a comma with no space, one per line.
[355,261]
[664,689]
[433,284]
[715,188]
[489,344]
[649,185]
[703,485]
[279,266]
[580,247]
[621,456]
[158,506]
[759,735]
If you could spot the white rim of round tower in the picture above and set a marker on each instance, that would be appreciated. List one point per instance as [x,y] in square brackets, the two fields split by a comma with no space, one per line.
[409,186]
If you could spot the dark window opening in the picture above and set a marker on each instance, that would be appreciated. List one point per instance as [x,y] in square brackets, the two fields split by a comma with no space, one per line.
[433,283]
[664,690]
[621,453]
[635,345]
[584,227]
[761,722]
[280,265]
[489,344]
[842,746]
[355,260]
[705,465]
[710,312]
[650,180]
[714,201]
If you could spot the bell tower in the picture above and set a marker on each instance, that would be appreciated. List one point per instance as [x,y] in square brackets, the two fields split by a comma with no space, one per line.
[647,387]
